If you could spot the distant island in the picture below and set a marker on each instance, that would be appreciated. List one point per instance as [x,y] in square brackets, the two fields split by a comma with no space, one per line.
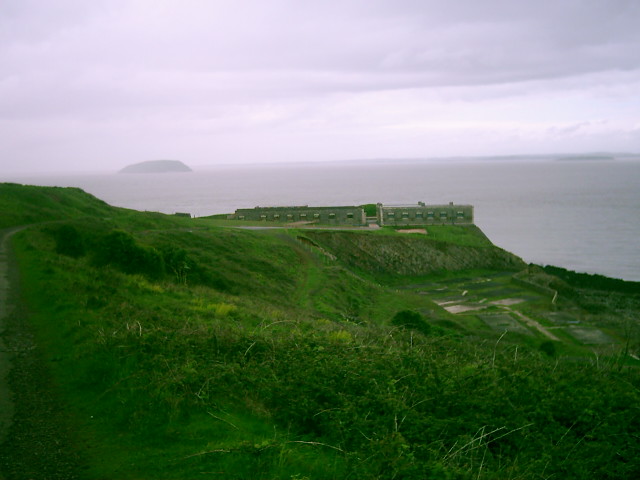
[156,166]
[585,158]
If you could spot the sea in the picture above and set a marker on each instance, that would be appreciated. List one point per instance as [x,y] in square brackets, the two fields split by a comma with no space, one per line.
[583,215]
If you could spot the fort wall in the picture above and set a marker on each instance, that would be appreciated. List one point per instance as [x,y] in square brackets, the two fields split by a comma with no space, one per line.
[392,215]
[422,214]
[353,216]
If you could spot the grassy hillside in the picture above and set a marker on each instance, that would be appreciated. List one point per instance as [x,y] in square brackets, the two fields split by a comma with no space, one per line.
[188,350]
[23,205]
[402,255]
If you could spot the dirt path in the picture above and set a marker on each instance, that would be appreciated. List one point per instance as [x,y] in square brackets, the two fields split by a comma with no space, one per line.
[532,323]
[6,397]
[35,437]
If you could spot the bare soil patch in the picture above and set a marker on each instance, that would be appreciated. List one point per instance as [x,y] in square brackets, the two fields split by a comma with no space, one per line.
[589,335]
[463,308]
[502,322]
[508,301]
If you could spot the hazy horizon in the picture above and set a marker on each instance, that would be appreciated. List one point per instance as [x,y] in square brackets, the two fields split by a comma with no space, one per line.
[573,214]
[96,86]
[521,158]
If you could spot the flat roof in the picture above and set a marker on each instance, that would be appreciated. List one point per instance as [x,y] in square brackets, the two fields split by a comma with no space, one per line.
[427,205]
[299,207]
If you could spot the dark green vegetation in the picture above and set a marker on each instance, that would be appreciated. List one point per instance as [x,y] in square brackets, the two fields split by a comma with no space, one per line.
[188,350]
[594,282]
[370,209]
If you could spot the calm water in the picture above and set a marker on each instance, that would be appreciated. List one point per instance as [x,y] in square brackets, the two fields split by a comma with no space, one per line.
[578,215]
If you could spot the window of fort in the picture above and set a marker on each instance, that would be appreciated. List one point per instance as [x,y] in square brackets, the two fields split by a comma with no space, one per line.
[349,215]
[332,216]
[418,215]
[391,215]
[303,216]
[276,216]
[316,215]
[460,214]
[443,214]
[263,217]
[241,217]
[429,214]
[289,216]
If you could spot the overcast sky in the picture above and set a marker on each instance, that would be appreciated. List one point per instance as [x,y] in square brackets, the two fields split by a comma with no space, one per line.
[97,85]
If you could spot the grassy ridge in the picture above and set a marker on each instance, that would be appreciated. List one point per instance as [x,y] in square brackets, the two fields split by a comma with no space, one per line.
[23,205]
[593,281]
[187,350]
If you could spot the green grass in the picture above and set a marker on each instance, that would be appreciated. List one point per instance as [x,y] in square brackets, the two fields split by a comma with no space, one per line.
[229,353]
[465,235]
[22,205]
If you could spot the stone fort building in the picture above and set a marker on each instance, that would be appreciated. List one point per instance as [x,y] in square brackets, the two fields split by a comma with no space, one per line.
[423,214]
[353,216]
[393,215]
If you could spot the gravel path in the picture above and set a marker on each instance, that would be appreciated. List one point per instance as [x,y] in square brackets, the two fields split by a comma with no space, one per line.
[35,437]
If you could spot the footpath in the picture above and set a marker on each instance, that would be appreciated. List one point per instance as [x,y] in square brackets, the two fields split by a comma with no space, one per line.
[34,430]
[6,396]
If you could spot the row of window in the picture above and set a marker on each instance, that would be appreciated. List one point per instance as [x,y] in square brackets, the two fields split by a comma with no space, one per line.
[291,216]
[419,215]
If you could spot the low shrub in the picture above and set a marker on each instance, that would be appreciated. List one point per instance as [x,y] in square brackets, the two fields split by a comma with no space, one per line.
[412,320]
[120,249]
[548,347]
[69,241]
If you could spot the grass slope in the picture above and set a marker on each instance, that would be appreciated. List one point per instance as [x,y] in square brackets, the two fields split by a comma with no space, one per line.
[188,350]
[29,204]
[401,255]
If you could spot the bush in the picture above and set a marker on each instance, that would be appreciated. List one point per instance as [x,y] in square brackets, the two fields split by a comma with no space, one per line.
[593,281]
[69,241]
[548,347]
[412,320]
[121,250]
[177,262]
[370,209]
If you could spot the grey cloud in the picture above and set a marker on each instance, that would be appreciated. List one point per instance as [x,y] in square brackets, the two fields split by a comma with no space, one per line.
[438,43]
[568,129]
[180,65]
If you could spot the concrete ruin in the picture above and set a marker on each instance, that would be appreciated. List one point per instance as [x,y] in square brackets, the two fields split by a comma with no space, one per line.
[355,216]
[422,214]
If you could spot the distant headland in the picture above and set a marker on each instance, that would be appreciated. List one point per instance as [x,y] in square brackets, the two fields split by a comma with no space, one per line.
[156,166]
